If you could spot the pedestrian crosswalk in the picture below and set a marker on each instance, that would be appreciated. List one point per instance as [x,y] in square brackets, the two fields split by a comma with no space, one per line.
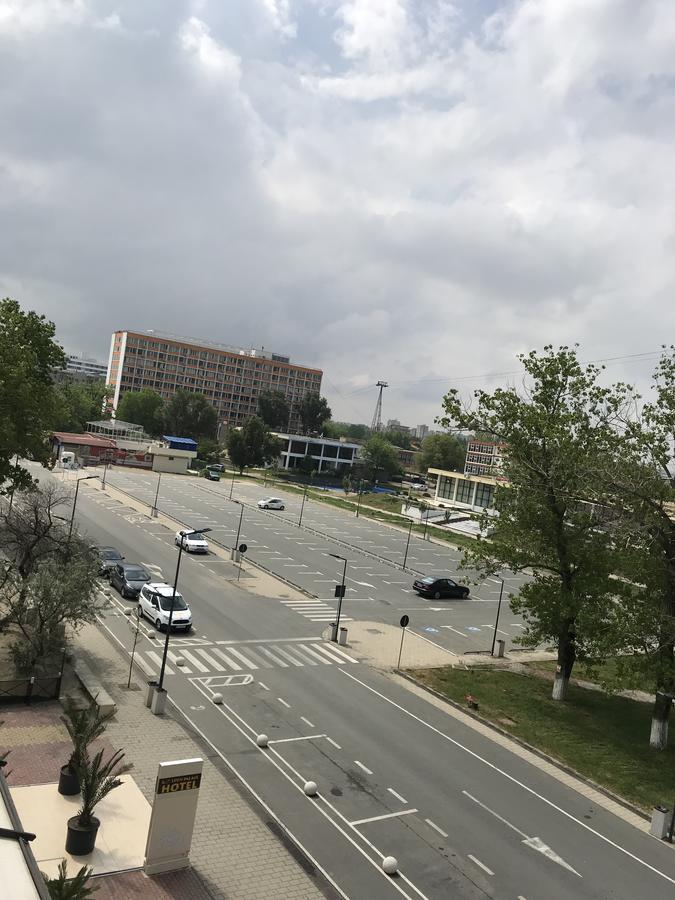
[224,657]
[314,610]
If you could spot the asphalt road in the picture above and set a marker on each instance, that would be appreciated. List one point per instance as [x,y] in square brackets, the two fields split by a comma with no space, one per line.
[377,588]
[464,817]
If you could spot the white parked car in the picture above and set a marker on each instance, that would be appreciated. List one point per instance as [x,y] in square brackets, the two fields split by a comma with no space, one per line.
[192,543]
[154,602]
[271,503]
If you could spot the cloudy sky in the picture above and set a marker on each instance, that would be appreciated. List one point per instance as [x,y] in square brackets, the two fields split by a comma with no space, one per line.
[408,190]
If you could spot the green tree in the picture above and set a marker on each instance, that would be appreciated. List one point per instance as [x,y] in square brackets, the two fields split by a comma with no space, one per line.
[398,438]
[314,411]
[144,408]
[210,450]
[77,403]
[443,451]
[380,459]
[29,355]
[191,415]
[252,444]
[558,434]
[273,409]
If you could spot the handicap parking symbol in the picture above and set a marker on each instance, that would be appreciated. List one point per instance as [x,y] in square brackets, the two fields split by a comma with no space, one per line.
[431,630]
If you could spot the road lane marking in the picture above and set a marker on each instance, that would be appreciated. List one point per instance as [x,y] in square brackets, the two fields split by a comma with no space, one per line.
[361,766]
[496,815]
[510,778]
[289,657]
[393,815]
[277,659]
[307,722]
[398,796]
[263,686]
[247,662]
[436,828]
[269,640]
[312,652]
[231,663]
[460,633]
[334,743]
[305,737]
[283,702]
[479,863]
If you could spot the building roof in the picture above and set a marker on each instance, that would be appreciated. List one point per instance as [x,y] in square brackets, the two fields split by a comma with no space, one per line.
[188,443]
[83,440]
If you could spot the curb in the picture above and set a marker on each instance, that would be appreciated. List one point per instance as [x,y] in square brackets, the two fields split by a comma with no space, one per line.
[568,770]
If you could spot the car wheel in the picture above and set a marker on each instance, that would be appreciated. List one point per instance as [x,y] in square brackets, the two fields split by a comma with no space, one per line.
[282,507]
[465,594]
[158,625]
[437,595]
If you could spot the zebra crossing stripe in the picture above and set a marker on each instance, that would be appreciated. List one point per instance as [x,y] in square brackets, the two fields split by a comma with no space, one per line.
[335,659]
[211,661]
[277,660]
[257,658]
[314,653]
[288,656]
[227,659]
[339,653]
[247,662]
[191,658]
[158,661]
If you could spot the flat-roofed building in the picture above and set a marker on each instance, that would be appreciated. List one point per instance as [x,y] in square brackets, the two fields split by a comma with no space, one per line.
[230,378]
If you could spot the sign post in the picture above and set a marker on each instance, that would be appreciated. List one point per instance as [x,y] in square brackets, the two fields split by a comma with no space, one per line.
[404,624]
[242,549]
[173,815]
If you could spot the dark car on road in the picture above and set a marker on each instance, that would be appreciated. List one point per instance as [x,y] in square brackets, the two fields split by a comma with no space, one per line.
[212,475]
[128,579]
[440,587]
[108,557]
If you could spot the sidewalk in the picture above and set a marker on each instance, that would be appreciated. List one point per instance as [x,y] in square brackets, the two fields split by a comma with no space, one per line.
[234,855]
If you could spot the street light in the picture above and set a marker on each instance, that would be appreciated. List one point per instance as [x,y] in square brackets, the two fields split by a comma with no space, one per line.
[154,505]
[407,546]
[77,488]
[304,497]
[186,534]
[241,516]
[342,593]
[359,492]
[499,609]
[232,482]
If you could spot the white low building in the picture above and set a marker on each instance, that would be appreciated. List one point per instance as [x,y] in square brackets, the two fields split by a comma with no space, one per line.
[326,454]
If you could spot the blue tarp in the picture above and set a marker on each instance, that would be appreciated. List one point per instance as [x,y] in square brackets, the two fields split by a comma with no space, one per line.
[179,443]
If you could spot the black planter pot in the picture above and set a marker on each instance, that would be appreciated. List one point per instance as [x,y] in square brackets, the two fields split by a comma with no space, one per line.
[81,839]
[69,782]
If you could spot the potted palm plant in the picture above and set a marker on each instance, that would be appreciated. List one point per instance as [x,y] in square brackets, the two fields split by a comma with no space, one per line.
[83,726]
[97,779]
[76,888]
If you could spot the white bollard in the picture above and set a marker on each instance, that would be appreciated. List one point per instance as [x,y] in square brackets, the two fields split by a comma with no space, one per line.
[151,635]
[310,788]
[217,698]
[262,740]
[128,611]
[180,661]
[390,865]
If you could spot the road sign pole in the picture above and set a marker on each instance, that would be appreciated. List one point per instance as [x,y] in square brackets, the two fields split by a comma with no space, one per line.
[499,609]
[404,624]
[407,546]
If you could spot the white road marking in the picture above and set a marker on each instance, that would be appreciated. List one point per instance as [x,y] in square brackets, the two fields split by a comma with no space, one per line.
[398,796]
[435,827]
[496,815]
[334,743]
[394,815]
[307,722]
[510,778]
[361,766]
[460,633]
[263,686]
[269,640]
[283,703]
[479,863]
[306,737]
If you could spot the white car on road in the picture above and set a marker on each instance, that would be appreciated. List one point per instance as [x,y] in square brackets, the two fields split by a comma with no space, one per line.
[154,602]
[271,503]
[192,543]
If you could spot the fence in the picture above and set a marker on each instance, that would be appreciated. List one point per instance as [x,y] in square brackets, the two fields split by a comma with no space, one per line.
[27,690]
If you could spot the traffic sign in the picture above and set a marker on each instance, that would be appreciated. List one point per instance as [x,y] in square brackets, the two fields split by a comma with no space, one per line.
[243,548]
[340,590]
[404,621]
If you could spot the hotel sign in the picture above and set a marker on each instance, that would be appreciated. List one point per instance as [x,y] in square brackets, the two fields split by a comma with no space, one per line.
[173,815]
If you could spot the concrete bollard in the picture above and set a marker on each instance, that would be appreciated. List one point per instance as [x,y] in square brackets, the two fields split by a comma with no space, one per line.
[158,702]
[390,865]
[180,661]
[500,649]
[310,788]
[217,698]
[149,692]
[659,824]
[334,632]
[262,740]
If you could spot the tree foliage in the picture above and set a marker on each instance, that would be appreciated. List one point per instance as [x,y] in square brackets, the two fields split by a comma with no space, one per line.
[29,355]
[77,887]
[314,411]
[443,451]
[559,434]
[252,444]
[380,459]
[273,409]
[77,403]
[191,415]
[398,438]
[144,408]
[350,430]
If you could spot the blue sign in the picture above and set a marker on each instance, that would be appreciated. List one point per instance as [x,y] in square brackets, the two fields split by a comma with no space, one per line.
[432,630]
[472,628]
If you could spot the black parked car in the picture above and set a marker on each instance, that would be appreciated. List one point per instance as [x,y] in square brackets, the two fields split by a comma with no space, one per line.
[440,587]
[108,557]
[128,579]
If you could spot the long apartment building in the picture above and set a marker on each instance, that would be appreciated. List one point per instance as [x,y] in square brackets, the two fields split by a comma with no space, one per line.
[230,377]
[483,457]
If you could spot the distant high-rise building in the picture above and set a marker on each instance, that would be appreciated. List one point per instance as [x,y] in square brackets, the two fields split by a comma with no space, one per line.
[81,368]
[421,431]
[231,378]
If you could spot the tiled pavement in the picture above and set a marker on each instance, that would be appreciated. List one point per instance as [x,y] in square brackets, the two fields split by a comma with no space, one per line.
[231,837]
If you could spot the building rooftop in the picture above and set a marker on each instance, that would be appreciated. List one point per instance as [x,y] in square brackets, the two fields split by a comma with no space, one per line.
[203,342]
[83,440]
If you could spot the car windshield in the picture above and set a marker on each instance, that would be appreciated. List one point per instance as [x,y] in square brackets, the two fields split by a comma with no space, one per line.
[110,553]
[195,537]
[179,603]
[136,575]
[429,580]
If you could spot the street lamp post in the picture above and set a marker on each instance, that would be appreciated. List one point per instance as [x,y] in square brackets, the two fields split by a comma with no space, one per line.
[407,546]
[499,609]
[232,482]
[160,683]
[154,505]
[241,516]
[342,593]
[72,515]
[302,507]
[358,497]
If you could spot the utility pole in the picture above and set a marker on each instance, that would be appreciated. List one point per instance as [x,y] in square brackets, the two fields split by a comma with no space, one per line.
[377,416]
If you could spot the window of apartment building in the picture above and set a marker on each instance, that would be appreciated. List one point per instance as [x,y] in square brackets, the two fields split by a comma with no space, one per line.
[484,495]
[330,451]
[346,453]
[464,492]
[298,447]
[446,487]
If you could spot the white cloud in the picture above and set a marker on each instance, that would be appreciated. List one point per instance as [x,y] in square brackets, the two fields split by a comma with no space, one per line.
[27,17]
[195,38]
[281,17]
